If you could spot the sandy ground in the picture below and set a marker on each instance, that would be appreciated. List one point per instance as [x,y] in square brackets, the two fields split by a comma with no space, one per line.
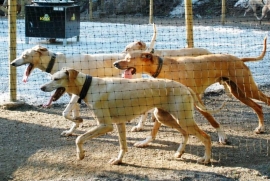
[32,148]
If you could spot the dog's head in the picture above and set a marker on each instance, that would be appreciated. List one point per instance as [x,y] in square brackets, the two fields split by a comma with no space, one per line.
[31,57]
[62,81]
[136,45]
[140,62]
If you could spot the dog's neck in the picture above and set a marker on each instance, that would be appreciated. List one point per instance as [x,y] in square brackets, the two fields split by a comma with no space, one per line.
[51,63]
[76,85]
[85,88]
[47,63]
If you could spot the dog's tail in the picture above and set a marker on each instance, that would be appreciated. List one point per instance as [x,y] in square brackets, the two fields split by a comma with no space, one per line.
[253,59]
[153,40]
[200,106]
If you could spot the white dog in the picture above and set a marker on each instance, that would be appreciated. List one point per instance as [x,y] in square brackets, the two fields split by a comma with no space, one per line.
[118,100]
[253,4]
[99,65]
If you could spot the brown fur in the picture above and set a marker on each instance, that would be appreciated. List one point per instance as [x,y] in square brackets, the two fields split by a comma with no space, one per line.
[200,72]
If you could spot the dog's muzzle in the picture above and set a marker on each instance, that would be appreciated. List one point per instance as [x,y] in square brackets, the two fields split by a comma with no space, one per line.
[133,70]
[116,65]
[57,94]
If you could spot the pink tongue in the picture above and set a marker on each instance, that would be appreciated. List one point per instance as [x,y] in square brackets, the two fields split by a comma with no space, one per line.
[27,73]
[25,78]
[127,74]
[49,103]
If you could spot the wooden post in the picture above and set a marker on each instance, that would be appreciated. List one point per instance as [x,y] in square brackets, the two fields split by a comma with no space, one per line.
[189,23]
[90,10]
[223,11]
[102,6]
[12,9]
[151,5]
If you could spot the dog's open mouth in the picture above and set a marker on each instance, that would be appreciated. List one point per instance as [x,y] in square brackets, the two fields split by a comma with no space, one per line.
[27,72]
[133,71]
[58,93]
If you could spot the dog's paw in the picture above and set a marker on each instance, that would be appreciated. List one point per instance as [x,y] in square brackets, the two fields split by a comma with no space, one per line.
[136,129]
[203,160]
[259,130]
[66,133]
[115,161]
[78,120]
[179,154]
[80,155]
[144,143]
[222,138]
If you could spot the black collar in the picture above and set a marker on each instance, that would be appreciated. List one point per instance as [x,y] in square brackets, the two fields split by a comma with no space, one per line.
[51,64]
[85,88]
[160,63]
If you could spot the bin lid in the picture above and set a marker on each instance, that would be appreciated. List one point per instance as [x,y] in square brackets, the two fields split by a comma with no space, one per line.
[53,2]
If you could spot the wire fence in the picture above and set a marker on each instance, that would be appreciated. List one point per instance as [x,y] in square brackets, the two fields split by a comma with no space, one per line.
[91,36]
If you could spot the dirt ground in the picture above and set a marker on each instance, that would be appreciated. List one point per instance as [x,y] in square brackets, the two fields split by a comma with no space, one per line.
[32,148]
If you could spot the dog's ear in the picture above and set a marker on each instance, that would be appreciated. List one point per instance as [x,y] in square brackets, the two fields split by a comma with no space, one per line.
[147,57]
[142,45]
[71,73]
[40,49]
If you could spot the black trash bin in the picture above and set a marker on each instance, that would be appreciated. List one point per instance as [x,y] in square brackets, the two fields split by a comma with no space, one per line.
[52,19]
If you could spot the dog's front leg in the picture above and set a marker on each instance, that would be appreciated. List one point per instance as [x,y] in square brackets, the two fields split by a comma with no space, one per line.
[121,127]
[94,132]
[74,107]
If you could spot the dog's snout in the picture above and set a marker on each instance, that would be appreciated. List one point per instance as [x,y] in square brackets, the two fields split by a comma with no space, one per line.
[13,64]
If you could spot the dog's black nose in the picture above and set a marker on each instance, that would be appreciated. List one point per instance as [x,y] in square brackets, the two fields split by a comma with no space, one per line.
[43,88]
[13,64]
[116,65]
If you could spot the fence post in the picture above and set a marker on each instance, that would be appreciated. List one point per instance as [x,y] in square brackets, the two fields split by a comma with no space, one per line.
[12,9]
[151,12]
[90,10]
[189,23]
[102,5]
[223,11]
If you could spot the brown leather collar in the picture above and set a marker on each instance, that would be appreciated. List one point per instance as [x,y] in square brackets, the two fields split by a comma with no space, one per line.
[160,63]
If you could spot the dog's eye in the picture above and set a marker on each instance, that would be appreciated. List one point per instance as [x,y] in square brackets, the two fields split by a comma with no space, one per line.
[56,79]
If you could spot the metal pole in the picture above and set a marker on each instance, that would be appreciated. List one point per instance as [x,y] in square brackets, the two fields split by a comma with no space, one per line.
[151,12]
[223,11]
[189,23]
[12,48]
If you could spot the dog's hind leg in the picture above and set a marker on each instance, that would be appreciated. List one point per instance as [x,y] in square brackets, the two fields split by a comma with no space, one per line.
[221,134]
[150,138]
[205,138]
[140,124]
[166,119]
[249,102]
